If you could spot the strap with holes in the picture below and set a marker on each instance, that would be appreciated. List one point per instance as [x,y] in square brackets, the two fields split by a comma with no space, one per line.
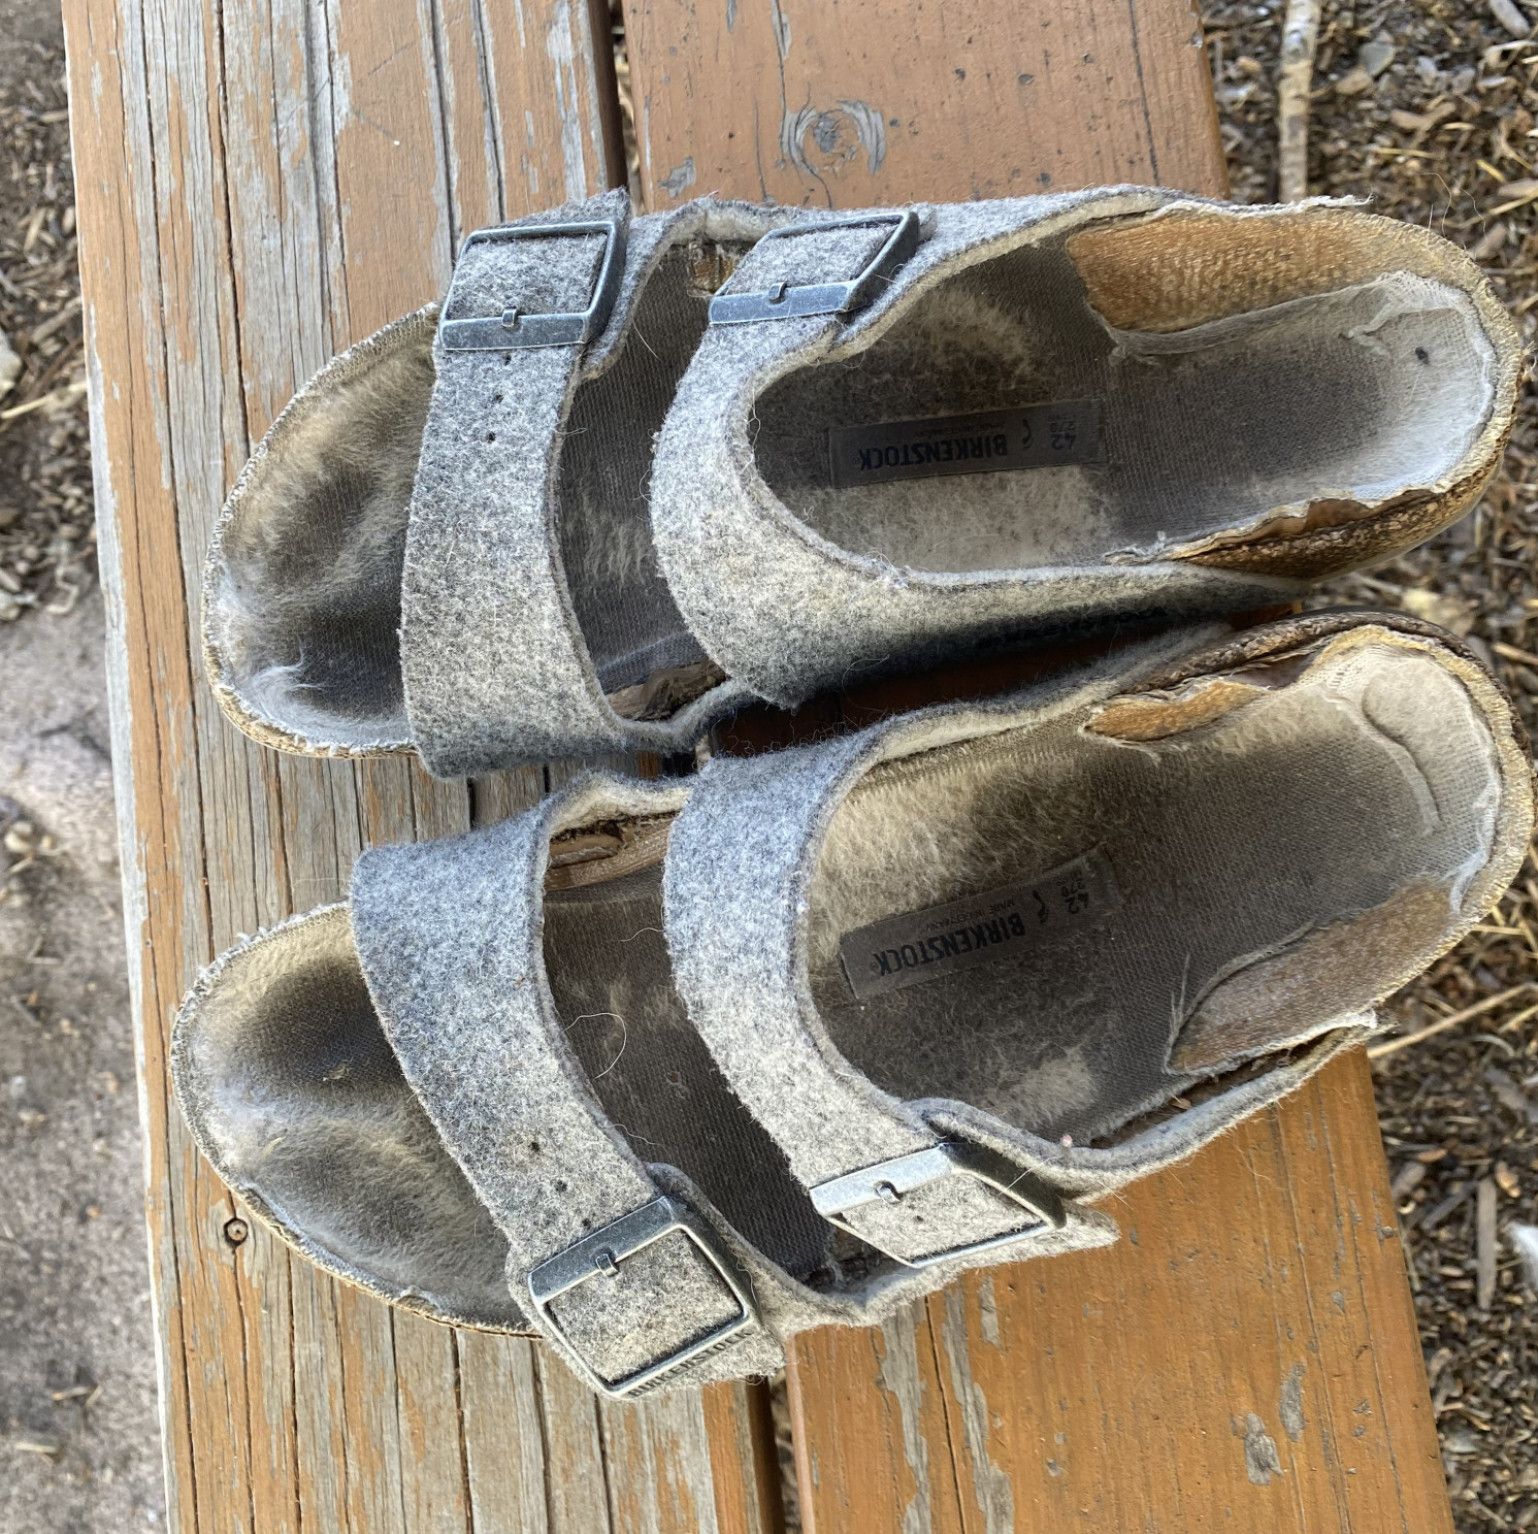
[491,652]
[616,1268]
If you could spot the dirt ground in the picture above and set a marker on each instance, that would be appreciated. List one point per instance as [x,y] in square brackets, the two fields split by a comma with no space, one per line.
[1427,109]
[77,1425]
[78,1446]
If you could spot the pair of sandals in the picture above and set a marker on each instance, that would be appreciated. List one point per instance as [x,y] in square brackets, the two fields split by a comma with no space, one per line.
[667,1072]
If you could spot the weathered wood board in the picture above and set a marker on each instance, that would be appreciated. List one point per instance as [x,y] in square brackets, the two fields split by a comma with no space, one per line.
[858,103]
[1246,1358]
[1258,1313]
[259,184]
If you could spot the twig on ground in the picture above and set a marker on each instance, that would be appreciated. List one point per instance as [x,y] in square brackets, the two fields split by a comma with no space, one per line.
[1300,37]
[62,396]
[1442,1024]
[1484,1244]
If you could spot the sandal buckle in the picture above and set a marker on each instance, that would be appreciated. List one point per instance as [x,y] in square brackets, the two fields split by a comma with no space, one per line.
[603,1252]
[514,328]
[888,1182]
[786,301]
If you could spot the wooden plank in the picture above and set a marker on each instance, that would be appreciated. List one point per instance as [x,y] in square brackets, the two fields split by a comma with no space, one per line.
[1259,1302]
[259,184]
[1245,1358]
[857,103]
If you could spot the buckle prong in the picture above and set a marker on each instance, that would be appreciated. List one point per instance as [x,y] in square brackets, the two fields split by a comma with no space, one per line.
[515,329]
[606,1250]
[785,300]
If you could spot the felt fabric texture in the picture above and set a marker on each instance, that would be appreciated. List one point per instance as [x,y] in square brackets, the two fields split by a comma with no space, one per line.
[489,641]
[1081,1037]
[1264,396]
[496,665]
[736,898]
[627,991]
[302,589]
[449,937]
[450,941]
[1301,385]
[447,551]
[292,1091]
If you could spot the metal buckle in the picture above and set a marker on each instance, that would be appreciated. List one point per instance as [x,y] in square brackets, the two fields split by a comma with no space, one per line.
[784,302]
[512,329]
[888,1181]
[604,1251]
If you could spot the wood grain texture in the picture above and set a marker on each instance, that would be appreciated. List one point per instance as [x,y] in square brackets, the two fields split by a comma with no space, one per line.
[261,182]
[1258,1309]
[1245,1358]
[854,103]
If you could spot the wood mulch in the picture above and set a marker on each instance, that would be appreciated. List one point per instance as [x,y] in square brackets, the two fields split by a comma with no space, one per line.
[47,531]
[1428,110]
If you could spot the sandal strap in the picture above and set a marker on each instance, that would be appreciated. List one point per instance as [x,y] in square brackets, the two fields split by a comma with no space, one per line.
[631,1278]
[492,655]
[740,863]
[804,296]
[494,660]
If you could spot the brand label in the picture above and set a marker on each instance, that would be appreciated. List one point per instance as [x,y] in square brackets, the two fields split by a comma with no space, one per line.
[981,929]
[992,442]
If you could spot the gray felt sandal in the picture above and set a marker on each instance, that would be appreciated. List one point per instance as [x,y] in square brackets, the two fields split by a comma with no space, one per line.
[666,1073]
[888,438]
